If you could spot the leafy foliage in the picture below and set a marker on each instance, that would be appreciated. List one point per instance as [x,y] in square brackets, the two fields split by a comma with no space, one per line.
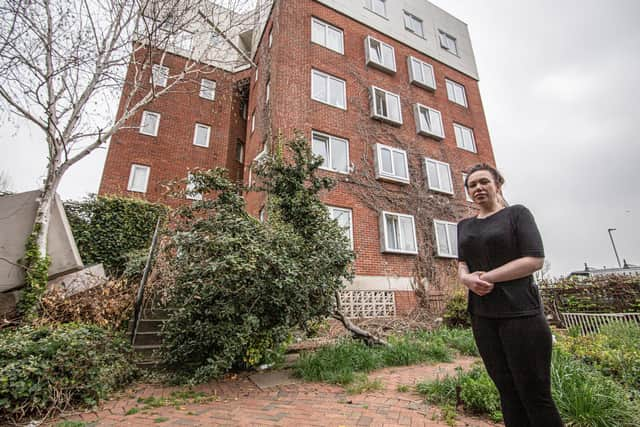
[43,369]
[107,229]
[36,270]
[240,285]
[455,312]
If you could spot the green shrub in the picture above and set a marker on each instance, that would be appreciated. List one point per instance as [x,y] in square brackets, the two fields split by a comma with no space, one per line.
[44,369]
[106,229]
[455,312]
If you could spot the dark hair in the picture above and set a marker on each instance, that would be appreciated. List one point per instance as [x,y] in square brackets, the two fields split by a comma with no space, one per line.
[497,177]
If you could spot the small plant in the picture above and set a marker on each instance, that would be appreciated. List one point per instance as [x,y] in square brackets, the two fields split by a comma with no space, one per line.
[449,414]
[455,312]
[403,388]
[160,420]
[363,384]
[132,411]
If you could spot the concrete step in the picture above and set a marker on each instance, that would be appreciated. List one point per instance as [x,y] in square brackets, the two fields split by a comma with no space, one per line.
[156,313]
[147,338]
[145,352]
[147,325]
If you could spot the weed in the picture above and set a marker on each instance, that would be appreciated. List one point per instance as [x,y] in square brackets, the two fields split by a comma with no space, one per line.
[403,388]
[160,420]
[132,411]
[362,384]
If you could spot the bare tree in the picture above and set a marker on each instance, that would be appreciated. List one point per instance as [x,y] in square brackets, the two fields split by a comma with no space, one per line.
[65,63]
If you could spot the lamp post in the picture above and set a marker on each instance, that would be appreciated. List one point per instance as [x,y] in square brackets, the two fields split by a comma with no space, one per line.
[614,246]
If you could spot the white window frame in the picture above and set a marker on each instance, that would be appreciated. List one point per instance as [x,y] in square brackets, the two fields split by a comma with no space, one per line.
[253,121]
[208,89]
[326,26]
[240,154]
[448,42]
[374,105]
[453,248]
[413,19]
[370,59]
[328,77]
[190,193]
[426,69]
[433,115]
[381,174]
[147,170]
[159,75]
[370,6]
[256,75]
[270,43]
[431,185]
[452,94]
[200,126]
[267,91]
[401,238]
[329,161]
[350,212]
[458,130]
[146,113]
[466,190]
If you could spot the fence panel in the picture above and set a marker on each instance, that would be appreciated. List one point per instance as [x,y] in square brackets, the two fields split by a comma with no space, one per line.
[590,323]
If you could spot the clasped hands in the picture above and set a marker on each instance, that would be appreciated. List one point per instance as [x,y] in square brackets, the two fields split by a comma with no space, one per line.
[474,282]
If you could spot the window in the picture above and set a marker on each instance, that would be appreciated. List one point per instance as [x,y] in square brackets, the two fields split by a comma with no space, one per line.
[138,178]
[438,176]
[207,89]
[327,35]
[190,192]
[159,75]
[391,164]
[386,106]
[466,190]
[344,219]
[421,73]
[464,137]
[149,124]
[380,54]
[240,151]
[428,121]
[328,89]
[181,40]
[399,233]
[378,6]
[201,135]
[334,151]
[215,39]
[446,238]
[253,121]
[456,93]
[413,24]
[267,90]
[448,42]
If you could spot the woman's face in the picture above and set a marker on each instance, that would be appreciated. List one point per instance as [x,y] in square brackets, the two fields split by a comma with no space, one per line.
[482,187]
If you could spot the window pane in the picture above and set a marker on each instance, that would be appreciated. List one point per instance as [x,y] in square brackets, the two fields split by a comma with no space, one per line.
[319,87]
[393,238]
[425,120]
[387,57]
[339,154]
[398,163]
[202,135]
[393,103]
[336,93]
[435,121]
[406,228]
[318,32]
[453,237]
[387,163]
[334,39]
[445,177]
[139,179]
[380,103]
[375,51]
[459,95]
[378,7]
[416,68]
[320,147]
[428,75]
[443,244]
[432,175]
[149,123]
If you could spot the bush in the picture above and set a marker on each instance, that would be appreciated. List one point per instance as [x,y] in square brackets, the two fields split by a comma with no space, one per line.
[106,229]
[455,312]
[240,285]
[48,368]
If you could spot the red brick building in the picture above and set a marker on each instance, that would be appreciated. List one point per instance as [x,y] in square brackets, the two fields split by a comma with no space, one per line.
[385,91]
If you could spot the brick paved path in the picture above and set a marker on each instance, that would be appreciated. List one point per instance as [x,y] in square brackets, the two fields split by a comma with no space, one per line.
[239,402]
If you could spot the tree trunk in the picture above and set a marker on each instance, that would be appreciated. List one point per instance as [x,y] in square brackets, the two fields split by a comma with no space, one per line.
[43,211]
[359,333]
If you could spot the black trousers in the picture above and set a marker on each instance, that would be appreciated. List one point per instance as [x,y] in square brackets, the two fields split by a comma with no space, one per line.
[517,354]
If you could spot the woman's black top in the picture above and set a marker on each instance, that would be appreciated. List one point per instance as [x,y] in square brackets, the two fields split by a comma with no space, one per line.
[488,243]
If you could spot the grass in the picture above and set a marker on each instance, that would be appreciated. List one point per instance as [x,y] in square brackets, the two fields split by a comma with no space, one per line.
[403,388]
[340,363]
[363,384]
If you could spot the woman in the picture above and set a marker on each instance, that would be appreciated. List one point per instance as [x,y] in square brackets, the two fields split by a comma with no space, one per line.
[498,251]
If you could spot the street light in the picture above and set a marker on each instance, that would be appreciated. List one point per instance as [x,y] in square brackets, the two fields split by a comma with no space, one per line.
[614,246]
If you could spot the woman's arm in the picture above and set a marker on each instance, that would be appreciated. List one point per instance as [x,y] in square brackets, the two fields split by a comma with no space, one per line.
[516,269]
[473,281]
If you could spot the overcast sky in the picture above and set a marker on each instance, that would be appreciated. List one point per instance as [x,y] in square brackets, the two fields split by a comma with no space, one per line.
[560,82]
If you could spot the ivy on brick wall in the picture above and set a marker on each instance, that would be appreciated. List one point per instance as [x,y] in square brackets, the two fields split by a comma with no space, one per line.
[108,229]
